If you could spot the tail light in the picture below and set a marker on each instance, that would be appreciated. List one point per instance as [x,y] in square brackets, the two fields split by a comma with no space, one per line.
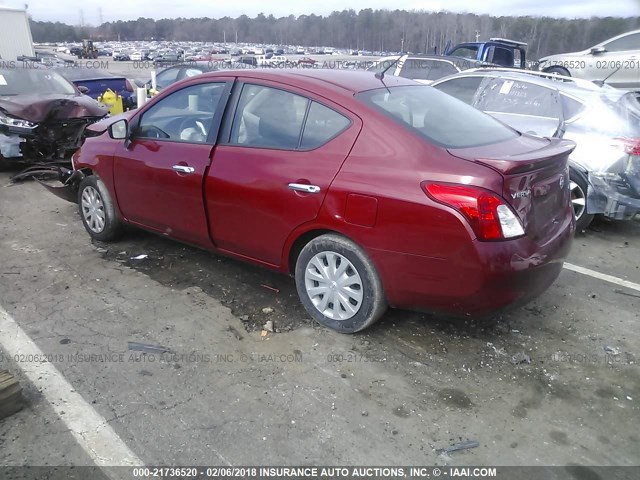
[631,145]
[487,213]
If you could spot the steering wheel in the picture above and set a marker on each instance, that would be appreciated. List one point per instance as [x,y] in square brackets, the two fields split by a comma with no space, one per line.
[190,126]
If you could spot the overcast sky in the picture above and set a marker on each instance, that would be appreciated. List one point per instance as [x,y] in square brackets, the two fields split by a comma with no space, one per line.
[95,11]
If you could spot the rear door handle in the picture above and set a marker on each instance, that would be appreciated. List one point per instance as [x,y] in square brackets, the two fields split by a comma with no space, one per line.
[183,169]
[301,187]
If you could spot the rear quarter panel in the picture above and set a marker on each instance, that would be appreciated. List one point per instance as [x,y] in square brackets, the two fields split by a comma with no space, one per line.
[388,164]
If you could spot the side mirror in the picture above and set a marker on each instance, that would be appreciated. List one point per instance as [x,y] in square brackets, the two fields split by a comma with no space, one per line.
[83,89]
[598,50]
[119,130]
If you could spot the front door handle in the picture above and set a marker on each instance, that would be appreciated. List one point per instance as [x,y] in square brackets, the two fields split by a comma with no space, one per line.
[302,187]
[183,169]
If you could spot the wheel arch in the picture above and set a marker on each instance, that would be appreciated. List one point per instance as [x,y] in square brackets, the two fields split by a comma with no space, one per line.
[296,243]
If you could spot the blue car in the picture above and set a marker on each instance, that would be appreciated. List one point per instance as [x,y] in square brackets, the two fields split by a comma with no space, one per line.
[94,82]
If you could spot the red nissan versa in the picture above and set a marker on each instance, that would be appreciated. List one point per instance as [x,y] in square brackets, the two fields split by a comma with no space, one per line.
[371,192]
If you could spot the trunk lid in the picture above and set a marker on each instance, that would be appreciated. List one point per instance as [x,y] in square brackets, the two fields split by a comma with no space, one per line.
[535,179]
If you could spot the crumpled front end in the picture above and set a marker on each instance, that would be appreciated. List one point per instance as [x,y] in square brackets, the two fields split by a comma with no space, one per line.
[70,180]
[45,128]
[49,140]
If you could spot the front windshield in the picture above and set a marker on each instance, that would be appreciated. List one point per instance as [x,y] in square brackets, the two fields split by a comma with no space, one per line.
[438,117]
[23,81]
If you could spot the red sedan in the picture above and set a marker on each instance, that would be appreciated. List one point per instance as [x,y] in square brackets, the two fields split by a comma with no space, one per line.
[369,191]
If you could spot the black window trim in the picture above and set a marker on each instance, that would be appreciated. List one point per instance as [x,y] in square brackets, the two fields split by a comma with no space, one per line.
[232,110]
[215,120]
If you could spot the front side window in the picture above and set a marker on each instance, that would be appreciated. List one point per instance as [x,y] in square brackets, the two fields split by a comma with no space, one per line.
[440,118]
[167,77]
[623,44]
[185,115]
[465,52]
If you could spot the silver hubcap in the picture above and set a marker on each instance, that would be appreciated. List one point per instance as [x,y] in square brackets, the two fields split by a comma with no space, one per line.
[334,285]
[578,199]
[93,209]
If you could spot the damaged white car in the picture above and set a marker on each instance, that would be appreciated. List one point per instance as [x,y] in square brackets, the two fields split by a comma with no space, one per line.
[603,121]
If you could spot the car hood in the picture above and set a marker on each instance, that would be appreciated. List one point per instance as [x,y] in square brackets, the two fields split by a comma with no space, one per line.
[565,56]
[37,108]
[101,126]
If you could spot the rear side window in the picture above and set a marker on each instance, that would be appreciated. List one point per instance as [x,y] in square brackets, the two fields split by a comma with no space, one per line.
[426,69]
[571,107]
[440,118]
[321,126]
[501,95]
[463,88]
[273,118]
[268,117]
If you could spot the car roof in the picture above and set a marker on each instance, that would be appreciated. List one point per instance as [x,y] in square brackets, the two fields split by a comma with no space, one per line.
[562,83]
[345,81]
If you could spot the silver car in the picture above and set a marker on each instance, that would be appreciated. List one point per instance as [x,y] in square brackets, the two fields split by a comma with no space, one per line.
[603,121]
[422,68]
[615,61]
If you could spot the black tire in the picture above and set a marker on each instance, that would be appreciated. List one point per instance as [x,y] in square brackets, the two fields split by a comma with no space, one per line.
[559,71]
[373,302]
[578,187]
[111,226]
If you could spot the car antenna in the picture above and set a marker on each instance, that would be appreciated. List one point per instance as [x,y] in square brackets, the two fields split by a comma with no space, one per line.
[380,75]
[601,83]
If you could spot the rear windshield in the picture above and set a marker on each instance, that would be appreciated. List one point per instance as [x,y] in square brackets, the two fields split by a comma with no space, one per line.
[613,116]
[21,81]
[438,117]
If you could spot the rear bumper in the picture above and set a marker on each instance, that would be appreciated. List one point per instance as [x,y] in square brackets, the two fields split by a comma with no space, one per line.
[612,196]
[484,279]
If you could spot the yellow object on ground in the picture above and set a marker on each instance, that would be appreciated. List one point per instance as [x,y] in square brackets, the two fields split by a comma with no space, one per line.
[112,101]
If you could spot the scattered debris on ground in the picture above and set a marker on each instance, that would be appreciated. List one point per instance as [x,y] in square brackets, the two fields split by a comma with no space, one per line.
[143,347]
[459,446]
[520,357]
[11,399]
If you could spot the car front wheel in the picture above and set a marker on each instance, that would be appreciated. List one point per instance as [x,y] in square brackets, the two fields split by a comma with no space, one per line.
[559,70]
[97,210]
[338,284]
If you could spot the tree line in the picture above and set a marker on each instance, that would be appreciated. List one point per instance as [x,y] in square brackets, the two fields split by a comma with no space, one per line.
[371,30]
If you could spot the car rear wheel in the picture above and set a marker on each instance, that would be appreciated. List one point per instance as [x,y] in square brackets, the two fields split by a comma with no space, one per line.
[97,210]
[559,71]
[338,284]
[578,189]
